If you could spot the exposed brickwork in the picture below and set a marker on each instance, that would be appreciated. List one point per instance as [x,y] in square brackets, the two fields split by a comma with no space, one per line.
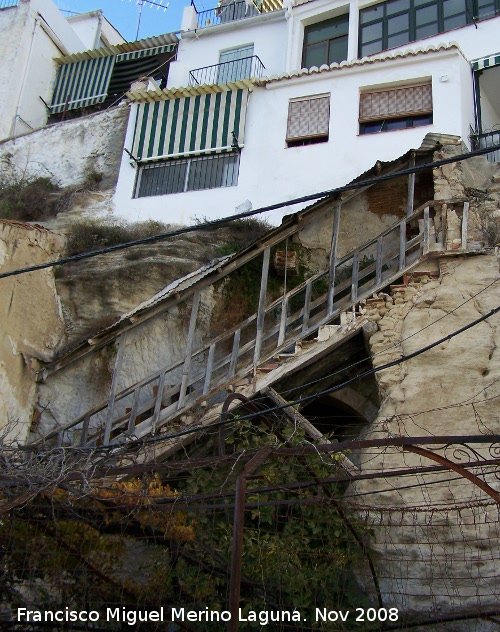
[389,198]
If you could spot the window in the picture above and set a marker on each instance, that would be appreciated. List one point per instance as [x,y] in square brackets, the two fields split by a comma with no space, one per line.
[235,64]
[399,108]
[398,22]
[188,174]
[308,120]
[325,42]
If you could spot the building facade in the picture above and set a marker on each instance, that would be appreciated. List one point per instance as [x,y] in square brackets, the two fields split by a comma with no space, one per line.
[265,104]
[35,34]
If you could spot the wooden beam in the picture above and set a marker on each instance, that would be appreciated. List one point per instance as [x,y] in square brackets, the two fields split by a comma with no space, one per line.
[114,384]
[262,305]
[465,222]
[333,258]
[186,369]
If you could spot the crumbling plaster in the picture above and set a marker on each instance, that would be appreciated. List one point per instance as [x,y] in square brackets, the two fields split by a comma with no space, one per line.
[69,152]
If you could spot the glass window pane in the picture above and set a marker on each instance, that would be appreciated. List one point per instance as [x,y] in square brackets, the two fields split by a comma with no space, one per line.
[417,3]
[338,50]
[326,30]
[372,48]
[371,32]
[398,24]
[422,120]
[373,13]
[452,7]
[397,6]
[395,124]
[455,22]
[398,40]
[486,10]
[425,15]
[427,31]
[316,55]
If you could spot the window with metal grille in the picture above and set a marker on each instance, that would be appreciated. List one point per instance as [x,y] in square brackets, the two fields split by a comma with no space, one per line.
[396,22]
[188,174]
[398,108]
[308,120]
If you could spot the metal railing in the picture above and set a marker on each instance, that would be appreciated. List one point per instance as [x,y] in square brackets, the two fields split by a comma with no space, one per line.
[5,4]
[162,397]
[487,139]
[227,11]
[227,71]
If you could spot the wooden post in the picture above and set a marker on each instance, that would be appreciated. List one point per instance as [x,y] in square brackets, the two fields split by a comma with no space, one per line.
[333,259]
[133,412]
[114,384]
[186,369]
[465,222]
[85,430]
[402,245]
[307,306]
[234,353]
[262,305]
[159,397]
[237,552]
[355,276]
[210,366]
[425,248]
[284,302]
[378,264]
[411,188]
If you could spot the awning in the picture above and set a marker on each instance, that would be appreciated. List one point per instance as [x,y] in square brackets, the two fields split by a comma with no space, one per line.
[189,125]
[82,83]
[486,62]
[86,82]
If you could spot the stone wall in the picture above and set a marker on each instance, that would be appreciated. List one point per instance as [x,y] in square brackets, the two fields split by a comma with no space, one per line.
[435,536]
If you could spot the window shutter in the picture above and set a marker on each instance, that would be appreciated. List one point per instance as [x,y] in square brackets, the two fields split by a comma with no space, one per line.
[387,104]
[308,118]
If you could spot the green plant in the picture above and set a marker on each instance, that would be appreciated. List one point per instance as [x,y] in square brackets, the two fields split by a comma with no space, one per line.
[487,223]
[93,234]
[31,199]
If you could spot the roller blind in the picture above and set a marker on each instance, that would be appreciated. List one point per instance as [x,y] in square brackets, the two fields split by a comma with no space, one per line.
[396,103]
[308,117]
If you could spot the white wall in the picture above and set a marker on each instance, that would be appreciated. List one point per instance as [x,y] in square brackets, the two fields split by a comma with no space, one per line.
[88,28]
[267,33]
[270,172]
[33,33]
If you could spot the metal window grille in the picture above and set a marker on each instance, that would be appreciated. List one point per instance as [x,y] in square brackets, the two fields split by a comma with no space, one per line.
[308,118]
[397,103]
[188,174]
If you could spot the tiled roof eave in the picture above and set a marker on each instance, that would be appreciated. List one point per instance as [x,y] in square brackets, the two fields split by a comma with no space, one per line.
[364,61]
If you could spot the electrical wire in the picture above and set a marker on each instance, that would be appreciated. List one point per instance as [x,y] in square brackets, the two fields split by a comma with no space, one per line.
[231,218]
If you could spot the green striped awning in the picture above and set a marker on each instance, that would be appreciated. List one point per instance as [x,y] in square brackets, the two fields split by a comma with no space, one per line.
[189,125]
[137,54]
[486,62]
[82,83]
[86,82]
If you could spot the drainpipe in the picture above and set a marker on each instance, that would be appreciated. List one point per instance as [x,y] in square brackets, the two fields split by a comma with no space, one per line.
[97,40]
[25,76]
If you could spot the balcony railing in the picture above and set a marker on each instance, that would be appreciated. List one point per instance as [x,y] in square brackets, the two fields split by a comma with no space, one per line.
[5,4]
[487,139]
[227,71]
[227,11]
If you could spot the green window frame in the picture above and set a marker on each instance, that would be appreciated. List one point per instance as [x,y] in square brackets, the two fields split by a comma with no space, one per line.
[396,22]
[326,42]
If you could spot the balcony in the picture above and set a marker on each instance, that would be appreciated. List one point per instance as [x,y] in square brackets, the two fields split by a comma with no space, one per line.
[236,70]
[229,11]
[487,139]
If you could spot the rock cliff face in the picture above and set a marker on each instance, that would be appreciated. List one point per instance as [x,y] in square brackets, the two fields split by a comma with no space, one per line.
[32,321]
[436,536]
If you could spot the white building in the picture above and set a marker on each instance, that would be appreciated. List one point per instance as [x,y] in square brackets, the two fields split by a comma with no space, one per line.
[34,34]
[271,104]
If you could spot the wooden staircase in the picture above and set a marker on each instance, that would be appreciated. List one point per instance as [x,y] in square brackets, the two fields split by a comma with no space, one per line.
[263,343]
